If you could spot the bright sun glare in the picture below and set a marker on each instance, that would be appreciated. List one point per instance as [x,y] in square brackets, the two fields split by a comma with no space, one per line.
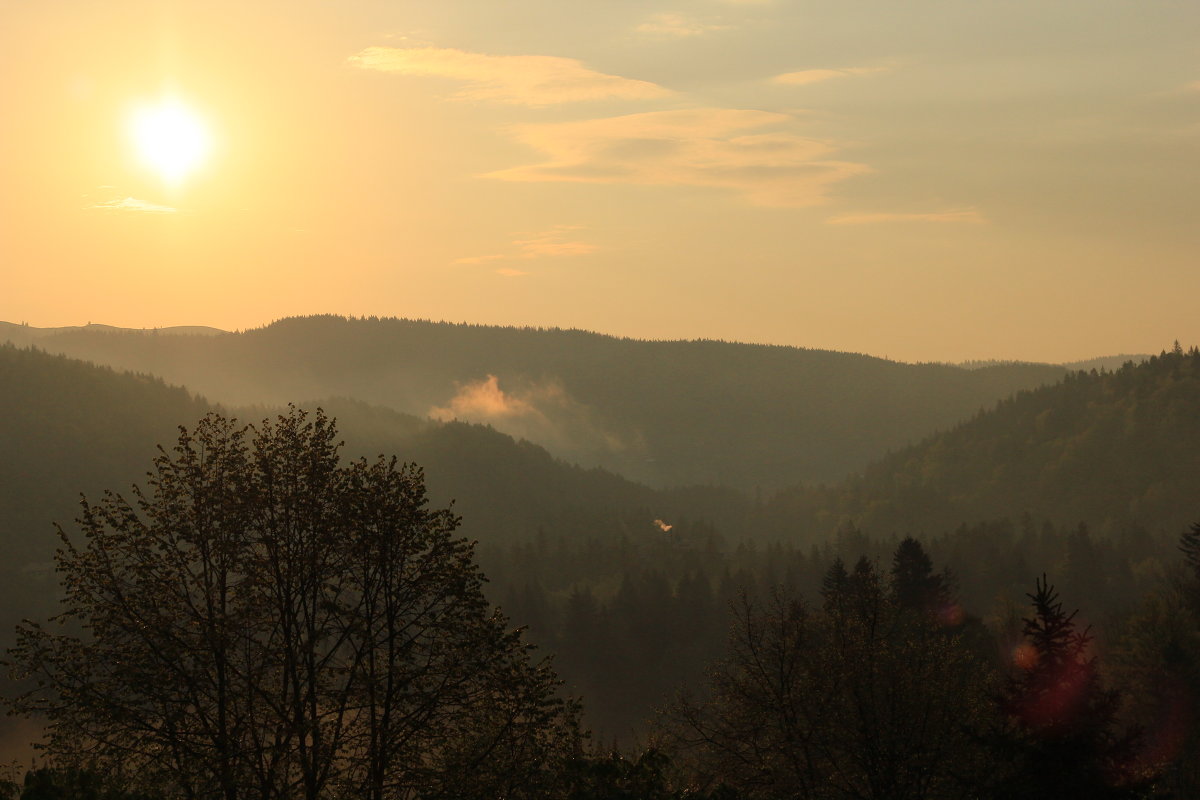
[170,139]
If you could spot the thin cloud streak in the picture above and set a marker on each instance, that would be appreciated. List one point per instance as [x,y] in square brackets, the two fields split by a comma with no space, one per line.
[967,215]
[555,242]
[133,204]
[807,76]
[708,147]
[481,259]
[677,26]
[517,80]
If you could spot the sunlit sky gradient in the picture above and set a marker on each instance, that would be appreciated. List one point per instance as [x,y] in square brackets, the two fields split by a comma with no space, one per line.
[926,180]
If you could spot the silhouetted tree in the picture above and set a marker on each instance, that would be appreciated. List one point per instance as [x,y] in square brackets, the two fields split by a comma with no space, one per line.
[46,783]
[859,700]
[1062,736]
[1189,545]
[617,777]
[833,584]
[264,622]
[915,586]
[1158,658]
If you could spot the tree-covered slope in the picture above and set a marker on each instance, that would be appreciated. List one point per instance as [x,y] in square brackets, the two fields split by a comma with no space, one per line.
[69,427]
[667,413]
[508,490]
[1112,449]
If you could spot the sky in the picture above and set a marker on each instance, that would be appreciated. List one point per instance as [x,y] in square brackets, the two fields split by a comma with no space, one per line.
[933,180]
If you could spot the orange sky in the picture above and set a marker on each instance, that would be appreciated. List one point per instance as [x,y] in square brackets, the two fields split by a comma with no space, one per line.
[926,181]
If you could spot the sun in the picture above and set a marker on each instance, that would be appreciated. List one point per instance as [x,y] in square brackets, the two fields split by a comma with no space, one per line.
[170,139]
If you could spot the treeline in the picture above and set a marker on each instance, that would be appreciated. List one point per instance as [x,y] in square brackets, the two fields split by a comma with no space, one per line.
[868,677]
[69,427]
[663,413]
[878,687]
[268,618]
[883,689]
[630,618]
[1117,449]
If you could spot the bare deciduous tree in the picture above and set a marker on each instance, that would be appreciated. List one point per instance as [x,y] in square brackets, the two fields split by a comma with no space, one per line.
[859,699]
[266,622]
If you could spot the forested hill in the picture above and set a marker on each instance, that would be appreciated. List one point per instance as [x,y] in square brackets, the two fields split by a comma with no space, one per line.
[666,413]
[69,427]
[25,335]
[1117,450]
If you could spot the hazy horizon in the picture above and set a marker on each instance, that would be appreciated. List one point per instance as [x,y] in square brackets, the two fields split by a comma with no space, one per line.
[927,182]
[204,328]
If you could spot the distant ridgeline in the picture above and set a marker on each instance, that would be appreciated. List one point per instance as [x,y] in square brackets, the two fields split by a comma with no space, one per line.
[998,498]
[69,427]
[1119,450]
[667,413]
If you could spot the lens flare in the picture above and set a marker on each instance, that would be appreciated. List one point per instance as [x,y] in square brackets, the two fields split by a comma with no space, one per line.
[1025,656]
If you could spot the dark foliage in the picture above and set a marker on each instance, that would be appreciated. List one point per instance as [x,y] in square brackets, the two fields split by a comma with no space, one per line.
[1063,738]
[666,413]
[46,783]
[861,699]
[1117,450]
[263,622]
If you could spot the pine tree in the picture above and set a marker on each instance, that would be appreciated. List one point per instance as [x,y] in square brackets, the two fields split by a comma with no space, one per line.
[1062,734]
[834,583]
[915,586]
[1189,545]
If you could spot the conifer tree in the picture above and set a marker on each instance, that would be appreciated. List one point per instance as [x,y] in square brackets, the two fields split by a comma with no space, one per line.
[1063,737]
[915,586]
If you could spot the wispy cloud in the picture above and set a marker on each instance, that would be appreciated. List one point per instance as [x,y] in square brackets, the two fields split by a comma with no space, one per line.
[509,272]
[518,80]
[558,241]
[807,76]
[554,242]
[133,204]
[968,215]
[677,26]
[709,147]
[481,259]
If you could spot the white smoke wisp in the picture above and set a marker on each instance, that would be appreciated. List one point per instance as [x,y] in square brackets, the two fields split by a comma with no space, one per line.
[484,401]
[542,412]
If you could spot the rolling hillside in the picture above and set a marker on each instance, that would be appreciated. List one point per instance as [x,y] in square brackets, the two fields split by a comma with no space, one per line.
[69,427]
[664,413]
[1117,451]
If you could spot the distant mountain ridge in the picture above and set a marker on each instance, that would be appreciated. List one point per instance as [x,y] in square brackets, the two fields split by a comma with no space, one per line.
[14,332]
[1108,363]
[1118,450]
[68,427]
[665,413]
[23,335]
